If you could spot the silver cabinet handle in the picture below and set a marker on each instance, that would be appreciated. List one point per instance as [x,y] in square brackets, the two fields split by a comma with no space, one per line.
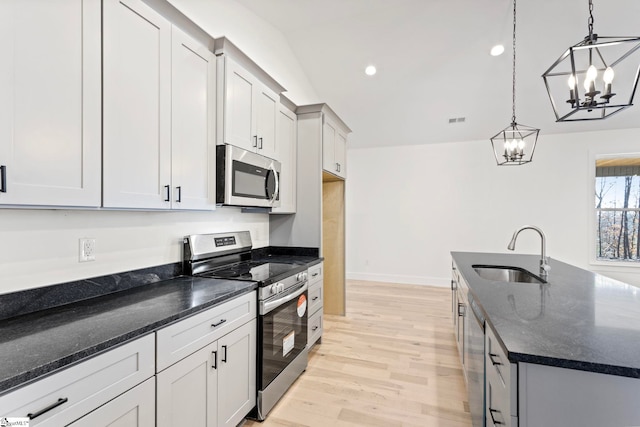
[276,192]
[315,328]
[314,298]
[255,140]
[314,274]
[454,285]
[260,143]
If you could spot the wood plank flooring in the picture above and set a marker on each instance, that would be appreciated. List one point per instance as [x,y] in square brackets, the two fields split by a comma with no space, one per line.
[391,361]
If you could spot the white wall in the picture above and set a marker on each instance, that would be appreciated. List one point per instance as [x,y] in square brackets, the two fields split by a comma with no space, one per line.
[40,247]
[409,206]
[262,42]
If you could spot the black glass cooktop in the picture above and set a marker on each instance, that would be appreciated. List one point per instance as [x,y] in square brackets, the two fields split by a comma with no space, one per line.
[250,270]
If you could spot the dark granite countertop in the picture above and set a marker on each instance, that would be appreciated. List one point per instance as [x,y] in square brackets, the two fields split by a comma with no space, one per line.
[39,343]
[578,320]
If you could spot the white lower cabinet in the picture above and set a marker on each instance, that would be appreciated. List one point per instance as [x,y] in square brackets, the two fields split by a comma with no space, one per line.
[135,408]
[315,313]
[71,394]
[501,385]
[215,385]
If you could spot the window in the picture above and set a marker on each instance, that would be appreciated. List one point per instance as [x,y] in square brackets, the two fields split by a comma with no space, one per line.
[617,208]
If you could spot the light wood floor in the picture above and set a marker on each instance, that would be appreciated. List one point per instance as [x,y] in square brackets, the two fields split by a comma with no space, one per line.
[391,361]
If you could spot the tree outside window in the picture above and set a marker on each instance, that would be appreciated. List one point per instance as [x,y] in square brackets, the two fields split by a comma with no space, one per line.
[617,203]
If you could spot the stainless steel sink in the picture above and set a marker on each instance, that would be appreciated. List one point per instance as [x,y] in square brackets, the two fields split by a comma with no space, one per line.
[501,273]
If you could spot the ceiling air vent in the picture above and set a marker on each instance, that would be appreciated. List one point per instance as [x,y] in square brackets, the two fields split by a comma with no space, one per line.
[457,120]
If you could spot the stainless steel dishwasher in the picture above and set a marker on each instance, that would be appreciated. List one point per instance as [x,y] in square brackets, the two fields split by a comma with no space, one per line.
[474,358]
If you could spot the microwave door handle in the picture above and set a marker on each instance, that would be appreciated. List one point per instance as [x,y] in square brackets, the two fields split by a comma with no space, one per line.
[276,191]
[266,307]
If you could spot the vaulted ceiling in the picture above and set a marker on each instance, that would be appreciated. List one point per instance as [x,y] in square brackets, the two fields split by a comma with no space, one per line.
[433,62]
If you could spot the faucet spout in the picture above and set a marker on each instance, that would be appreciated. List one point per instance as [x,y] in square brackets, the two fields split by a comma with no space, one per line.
[544,265]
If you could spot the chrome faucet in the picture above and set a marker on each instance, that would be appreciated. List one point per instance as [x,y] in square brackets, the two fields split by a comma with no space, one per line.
[544,265]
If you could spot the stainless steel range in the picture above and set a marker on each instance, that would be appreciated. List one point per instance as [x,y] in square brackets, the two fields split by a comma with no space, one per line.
[282,307]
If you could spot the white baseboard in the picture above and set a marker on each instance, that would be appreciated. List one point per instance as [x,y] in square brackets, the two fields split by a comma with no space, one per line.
[409,280]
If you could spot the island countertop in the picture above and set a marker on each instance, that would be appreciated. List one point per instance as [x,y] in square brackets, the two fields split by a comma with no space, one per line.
[577,320]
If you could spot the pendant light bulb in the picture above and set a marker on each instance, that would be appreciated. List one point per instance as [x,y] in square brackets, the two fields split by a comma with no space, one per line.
[521,144]
[608,75]
[592,73]
[572,81]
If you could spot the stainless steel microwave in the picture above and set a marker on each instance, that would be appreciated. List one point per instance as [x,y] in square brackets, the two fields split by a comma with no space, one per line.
[246,179]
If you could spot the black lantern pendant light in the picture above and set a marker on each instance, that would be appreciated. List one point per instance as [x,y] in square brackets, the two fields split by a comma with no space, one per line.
[588,69]
[515,144]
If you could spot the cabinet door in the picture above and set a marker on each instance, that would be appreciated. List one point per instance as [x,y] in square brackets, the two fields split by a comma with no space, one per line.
[341,154]
[237,376]
[239,106]
[135,408]
[137,106]
[286,148]
[50,102]
[193,100]
[329,146]
[267,116]
[187,391]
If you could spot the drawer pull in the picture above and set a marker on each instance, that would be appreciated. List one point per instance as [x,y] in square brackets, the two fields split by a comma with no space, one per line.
[492,356]
[168,189]
[314,298]
[315,328]
[493,420]
[215,359]
[314,274]
[215,325]
[461,309]
[34,415]
[3,179]
[454,285]
[224,358]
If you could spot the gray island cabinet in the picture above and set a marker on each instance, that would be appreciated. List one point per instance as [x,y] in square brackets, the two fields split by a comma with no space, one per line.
[561,353]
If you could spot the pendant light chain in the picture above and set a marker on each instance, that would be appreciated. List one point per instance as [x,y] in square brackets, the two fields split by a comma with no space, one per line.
[513,117]
[590,21]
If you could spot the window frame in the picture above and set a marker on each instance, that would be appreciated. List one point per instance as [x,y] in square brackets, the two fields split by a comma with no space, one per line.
[601,264]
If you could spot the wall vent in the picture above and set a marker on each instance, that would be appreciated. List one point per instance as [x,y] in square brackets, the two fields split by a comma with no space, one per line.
[457,120]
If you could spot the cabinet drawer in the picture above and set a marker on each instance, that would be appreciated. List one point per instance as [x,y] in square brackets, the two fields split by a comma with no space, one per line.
[315,298]
[137,407]
[76,391]
[315,274]
[501,377]
[314,326]
[184,337]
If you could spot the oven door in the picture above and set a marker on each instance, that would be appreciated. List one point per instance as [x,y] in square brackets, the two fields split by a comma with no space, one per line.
[283,332]
[246,178]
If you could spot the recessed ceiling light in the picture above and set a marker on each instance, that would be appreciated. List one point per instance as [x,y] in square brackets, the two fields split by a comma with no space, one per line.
[497,50]
[370,70]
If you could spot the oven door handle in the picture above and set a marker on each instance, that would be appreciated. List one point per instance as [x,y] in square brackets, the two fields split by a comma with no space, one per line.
[268,306]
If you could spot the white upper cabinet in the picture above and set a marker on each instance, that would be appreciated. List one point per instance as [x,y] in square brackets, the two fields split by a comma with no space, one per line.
[137,106]
[193,145]
[248,102]
[334,146]
[287,144]
[159,113]
[50,103]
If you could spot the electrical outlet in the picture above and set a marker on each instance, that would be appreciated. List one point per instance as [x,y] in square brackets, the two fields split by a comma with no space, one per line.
[87,250]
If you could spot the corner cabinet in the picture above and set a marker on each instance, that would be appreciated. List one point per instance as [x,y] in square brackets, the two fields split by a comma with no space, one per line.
[248,100]
[287,148]
[159,112]
[50,108]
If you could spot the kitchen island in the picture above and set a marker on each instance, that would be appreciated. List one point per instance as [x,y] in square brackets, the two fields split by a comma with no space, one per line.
[572,344]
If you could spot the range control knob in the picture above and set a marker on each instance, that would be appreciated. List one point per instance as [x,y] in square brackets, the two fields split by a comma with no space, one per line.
[273,289]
